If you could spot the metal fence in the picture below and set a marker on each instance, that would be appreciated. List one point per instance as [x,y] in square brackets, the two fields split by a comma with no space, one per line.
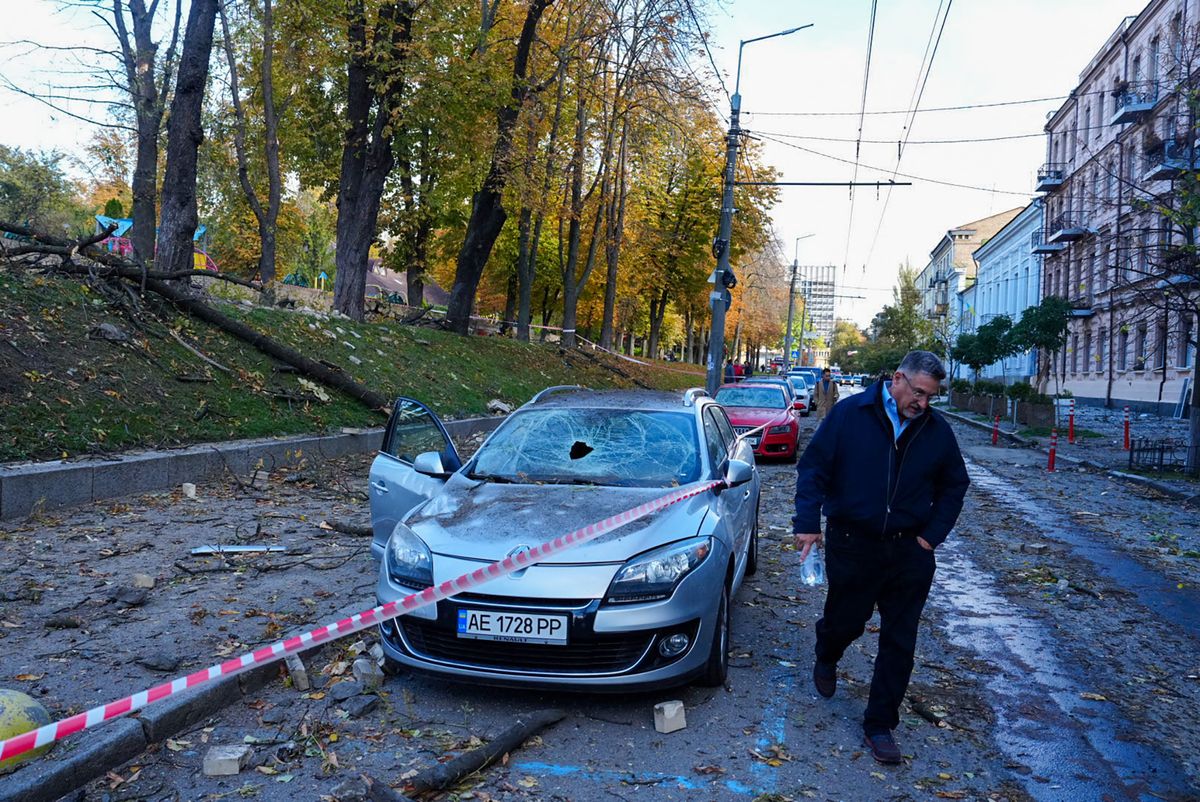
[1170,454]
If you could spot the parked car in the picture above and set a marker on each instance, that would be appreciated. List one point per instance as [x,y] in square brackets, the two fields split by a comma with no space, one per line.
[643,607]
[778,381]
[755,404]
[802,393]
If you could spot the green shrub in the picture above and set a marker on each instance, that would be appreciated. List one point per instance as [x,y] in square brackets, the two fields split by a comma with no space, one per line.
[1065,394]
[1021,391]
[960,386]
[989,388]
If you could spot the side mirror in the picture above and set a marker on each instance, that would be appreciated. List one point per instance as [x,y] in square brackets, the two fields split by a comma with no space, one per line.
[738,472]
[429,463]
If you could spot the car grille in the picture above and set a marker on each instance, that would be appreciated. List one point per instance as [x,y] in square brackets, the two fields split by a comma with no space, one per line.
[599,654]
[742,429]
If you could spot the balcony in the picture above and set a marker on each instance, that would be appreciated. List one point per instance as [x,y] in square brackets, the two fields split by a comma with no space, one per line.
[1050,176]
[1067,228]
[1168,160]
[1081,307]
[1038,244]
[1134,104]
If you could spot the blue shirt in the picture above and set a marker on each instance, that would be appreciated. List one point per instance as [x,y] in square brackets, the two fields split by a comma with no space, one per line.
[899,424]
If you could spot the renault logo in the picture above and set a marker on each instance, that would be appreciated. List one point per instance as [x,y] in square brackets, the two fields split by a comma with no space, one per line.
[513,553]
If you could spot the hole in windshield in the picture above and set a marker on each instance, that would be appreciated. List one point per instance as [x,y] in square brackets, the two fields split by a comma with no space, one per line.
[628,448]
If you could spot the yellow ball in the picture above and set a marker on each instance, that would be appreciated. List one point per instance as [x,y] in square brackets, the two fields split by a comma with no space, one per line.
[20,713]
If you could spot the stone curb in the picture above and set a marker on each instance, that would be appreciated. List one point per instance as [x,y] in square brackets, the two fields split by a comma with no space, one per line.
[1180,495]
[103,750]
[32,487]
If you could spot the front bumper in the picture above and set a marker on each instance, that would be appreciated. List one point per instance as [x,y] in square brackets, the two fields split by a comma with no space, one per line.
[609,647]
[776,445]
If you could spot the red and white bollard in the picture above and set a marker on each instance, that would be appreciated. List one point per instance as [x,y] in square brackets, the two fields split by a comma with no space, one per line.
[1126,428]
[1071,423]
[1053,448]
[996,431]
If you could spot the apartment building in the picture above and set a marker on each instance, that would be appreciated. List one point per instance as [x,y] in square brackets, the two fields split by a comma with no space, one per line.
[1007,282]
[818,288]
[1113,151]
[950,268]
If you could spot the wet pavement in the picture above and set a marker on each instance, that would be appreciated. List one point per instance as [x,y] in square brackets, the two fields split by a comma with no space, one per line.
[1058,659]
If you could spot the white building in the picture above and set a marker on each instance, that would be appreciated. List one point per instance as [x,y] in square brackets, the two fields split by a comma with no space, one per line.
[1008,281]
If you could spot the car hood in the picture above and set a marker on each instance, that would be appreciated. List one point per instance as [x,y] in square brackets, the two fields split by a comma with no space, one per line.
[756,416]
[488,521]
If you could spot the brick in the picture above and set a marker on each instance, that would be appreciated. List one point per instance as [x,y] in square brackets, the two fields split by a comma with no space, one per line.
[223,761]
[669,716]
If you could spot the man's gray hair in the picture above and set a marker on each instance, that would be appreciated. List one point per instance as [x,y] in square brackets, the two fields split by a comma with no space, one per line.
[922,362]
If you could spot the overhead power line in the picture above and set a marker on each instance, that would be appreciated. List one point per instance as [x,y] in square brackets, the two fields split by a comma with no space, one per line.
[894,173]
[862,110]
[964,141]
[964,107]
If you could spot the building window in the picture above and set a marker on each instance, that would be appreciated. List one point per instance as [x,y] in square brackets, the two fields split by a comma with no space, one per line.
[1110,182]
[1160,346]
[1183,348]
[1074,353]
[1101,277]
[1102,351]
[1139,348]
[1087,351]
[1153,72]
[1123,348]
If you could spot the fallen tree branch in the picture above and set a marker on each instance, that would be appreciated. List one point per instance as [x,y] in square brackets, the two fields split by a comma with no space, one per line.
[380,792]
[346,528]
[452,771]
[197,352]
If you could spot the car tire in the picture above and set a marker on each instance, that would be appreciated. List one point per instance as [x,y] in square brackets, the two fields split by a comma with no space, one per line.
[752,549]
[716,670]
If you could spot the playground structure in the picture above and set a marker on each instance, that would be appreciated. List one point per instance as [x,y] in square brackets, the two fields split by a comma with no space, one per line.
[119,243]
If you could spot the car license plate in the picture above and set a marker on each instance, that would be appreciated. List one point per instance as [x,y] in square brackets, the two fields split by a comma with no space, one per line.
[754,441]
[512,627]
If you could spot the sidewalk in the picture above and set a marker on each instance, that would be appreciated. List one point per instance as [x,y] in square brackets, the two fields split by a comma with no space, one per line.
[1103,453]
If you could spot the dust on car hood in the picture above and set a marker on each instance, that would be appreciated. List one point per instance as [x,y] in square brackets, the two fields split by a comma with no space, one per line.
[487,520]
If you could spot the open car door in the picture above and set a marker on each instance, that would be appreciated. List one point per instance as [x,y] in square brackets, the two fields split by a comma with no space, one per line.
[396,486]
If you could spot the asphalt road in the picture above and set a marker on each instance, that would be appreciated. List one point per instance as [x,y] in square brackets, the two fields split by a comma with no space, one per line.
[1024,688]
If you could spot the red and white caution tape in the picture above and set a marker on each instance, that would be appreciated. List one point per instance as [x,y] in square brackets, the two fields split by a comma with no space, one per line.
[20,744]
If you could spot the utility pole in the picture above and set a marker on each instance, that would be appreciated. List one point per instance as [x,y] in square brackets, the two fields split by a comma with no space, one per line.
[787,337]
[723,279]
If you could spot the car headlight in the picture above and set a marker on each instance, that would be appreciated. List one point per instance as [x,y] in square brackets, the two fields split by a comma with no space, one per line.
[409,560]
[784,429]
[654,575]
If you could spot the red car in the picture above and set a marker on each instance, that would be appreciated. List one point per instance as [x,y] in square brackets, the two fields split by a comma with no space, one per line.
[750,406]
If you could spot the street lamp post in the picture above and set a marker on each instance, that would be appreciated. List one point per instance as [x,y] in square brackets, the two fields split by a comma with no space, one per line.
[787,337]
[723,278]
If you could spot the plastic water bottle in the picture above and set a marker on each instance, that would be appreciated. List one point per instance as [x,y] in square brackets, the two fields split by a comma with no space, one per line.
[812,570]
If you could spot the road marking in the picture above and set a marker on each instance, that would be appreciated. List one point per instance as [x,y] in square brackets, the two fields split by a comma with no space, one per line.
[629,777]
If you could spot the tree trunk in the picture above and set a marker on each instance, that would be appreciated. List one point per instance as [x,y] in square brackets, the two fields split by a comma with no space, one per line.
[367,156]
[184,135]
[614,226]
[510,303]
[149,102]
[525,273]
[658,311]
[487,210]
[267,217]
[575,215]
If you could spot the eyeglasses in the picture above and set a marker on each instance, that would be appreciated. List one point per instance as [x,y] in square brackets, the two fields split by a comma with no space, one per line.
[917,392]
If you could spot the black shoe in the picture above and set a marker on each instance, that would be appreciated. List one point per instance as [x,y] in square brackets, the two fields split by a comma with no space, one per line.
[883,748]
[825,678]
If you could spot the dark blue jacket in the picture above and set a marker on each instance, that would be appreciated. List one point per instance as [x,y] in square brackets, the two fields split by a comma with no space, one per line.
[866,481]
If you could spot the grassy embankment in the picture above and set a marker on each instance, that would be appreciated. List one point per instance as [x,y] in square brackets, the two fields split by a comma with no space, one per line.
[65,391]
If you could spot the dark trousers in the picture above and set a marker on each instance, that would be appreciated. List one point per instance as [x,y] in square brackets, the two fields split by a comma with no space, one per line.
[893,574]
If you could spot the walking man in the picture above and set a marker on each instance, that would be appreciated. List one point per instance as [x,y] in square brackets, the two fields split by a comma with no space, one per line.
[826,394]
[887,472]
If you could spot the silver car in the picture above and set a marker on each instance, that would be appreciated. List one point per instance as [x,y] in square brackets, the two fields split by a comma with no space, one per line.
[646,605]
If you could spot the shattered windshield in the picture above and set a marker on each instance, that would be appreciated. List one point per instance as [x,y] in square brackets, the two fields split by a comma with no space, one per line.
[764,397]
[630,448]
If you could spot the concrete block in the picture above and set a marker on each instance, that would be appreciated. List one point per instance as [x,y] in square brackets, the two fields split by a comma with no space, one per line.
[299,673]
[195,465]
[223,761]
[189,490]
[367,672]
[143,581]
[669,716]
[165,718]
[238,457]
[136,473]
[93,753]
[1036,548]
[45,485]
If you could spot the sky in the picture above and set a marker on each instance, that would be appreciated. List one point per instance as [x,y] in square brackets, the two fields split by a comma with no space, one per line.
[990,51]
